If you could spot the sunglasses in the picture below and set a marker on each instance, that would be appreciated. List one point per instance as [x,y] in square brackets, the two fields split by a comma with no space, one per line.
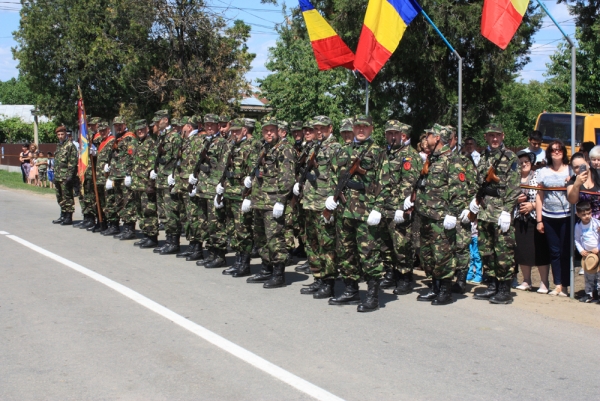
[557,150]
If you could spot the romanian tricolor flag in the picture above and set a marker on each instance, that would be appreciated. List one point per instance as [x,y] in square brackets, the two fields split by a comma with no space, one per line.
[84,155]
[385,23]
[330,50]
[501,19]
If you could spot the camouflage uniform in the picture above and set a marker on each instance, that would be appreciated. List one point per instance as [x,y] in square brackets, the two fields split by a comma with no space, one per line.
[102,158]
[141,184]
[87,198]
[289,229]
[65,170]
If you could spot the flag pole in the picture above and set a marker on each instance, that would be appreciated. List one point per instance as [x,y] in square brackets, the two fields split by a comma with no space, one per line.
[459,72]
[573,127]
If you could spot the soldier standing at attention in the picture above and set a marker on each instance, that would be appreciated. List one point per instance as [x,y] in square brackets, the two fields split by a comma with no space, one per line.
[296,218]
[102,159]
[441,196]
[359,232]
[493,207]
[271,181]
[87,198]
[346,131]
[65,170]
[404,166]
[96,141]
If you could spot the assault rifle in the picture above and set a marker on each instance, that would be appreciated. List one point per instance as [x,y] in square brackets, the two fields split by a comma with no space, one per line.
[419,184]
[228,163]
[490,178]
[177,162]
[300,163]
[256,170]
[310,164]
[203,157]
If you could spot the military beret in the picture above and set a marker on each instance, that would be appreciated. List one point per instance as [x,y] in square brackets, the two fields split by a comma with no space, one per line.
[250,122]
[119,120]
[224,118]
[103,124]
[62,128]
[283,125]
[296,126]
[494,128]
[269,120]
[322,120]
[211,118]
[361,119]
[346,125]
[162,114]
[94,120]
[140,124]
[238,123]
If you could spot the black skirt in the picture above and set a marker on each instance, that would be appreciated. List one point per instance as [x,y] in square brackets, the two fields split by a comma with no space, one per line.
[532,246]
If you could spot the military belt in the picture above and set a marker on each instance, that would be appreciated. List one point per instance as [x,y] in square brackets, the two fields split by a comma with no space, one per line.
[355,185]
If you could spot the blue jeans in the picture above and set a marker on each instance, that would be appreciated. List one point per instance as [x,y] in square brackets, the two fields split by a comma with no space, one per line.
[475,266]
[558,235]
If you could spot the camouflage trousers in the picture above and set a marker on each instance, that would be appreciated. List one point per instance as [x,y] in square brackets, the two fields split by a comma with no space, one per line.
[320,245]
[438,249]
[64,196]
[463,242]
[239,227]
[124,202]
[396,245]
[87,198]
[497,250]
[290,231]
[173,205]
[196,212]
[160,206]
[147,216]
[269,234]
[102,198]
[217,226]
[358,249]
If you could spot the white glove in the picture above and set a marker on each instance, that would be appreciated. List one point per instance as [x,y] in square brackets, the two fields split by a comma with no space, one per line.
[331,204]
[407,203]
[218,205]
[220,189]
[109,184]
[106,168]
[473,206]
[296,189]
[246,205]
[171,180]
[399,217]
[278,210]
[248,182]
[449,222]
[153,175]
[504,221]
[193,193]
[128,181]
[464,216]
[374,218]
[93,150]
[192,180]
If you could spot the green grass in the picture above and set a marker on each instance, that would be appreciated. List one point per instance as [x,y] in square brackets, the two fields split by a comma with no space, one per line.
[15,181]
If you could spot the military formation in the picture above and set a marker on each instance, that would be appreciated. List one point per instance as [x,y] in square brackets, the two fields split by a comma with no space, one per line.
[354,208]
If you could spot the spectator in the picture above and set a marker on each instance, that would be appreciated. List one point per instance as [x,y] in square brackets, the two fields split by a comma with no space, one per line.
[553,214]
[535,147]
[587,240]
[25,162]
[470,149]
[50,170]
[532,246]
[583,180]
[585,149]
[42,163]
[33,171]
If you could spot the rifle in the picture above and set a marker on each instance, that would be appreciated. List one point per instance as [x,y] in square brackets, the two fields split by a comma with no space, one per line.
[419,184]
[228,163]
[201,160]
[151,188]
[310,164]
[300,163]
[490,178]
[259,162]
[355,168]
[177,161]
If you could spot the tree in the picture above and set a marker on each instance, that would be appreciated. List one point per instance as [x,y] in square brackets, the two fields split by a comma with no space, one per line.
[13,130]
[15,91]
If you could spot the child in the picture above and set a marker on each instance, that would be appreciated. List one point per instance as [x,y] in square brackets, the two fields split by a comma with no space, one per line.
[33,172]
[587,239]
[51,169]
[42,163]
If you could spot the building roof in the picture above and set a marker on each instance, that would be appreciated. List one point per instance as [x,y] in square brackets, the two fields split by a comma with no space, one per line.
[22,111]
[252,101]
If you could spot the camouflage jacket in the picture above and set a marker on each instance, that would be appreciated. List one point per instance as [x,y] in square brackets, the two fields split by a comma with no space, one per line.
[96,139]
[318,180]
[504,194]
[238,170]
[274,179]
[143,163]
[210,170]
[65,161]
[470,174]
[121,162]
[364,192]
[445,189]
[102,157]
[167,162]
[400,175]
[190,151]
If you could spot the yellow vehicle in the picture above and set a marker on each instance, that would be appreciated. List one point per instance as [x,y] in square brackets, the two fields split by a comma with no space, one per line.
[558,126]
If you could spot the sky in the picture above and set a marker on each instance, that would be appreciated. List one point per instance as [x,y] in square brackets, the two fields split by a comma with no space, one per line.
[263,18]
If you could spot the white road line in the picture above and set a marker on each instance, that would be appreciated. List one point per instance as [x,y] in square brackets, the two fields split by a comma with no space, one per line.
[4,233]
[213,338]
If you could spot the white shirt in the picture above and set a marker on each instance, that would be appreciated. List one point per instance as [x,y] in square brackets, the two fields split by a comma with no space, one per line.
[540,154]
[476,157]
[587,235]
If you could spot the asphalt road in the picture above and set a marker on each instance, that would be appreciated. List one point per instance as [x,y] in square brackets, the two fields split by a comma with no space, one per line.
[66,336]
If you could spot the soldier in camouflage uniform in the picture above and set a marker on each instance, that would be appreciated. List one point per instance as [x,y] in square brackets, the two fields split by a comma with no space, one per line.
[404,167]
[296,218]
[494,215]
[87,197]
[320,235]
[96,142]
[224,126]
[103,154]
[143,187]
[65,170]
[282,132]
[271,182]
[346,130]
[359,232]
[442,194]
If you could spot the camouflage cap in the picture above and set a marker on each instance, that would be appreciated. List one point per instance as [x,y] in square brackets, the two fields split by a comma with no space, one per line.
[94,120]
[176,121]
[192,120]
[494,128]
[140,124]
[283,125]
[346,125]
[103,124]
[224,118]
[250,122]
[361,119]
[395,125]
[441,131]
[211,118]
[154,121]
[162,114]
[237,123]
[296,126]
[308,124]
[269,120]
[322,120]
[119,120]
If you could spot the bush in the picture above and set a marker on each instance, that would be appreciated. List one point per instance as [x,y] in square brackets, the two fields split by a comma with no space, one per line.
[13,130]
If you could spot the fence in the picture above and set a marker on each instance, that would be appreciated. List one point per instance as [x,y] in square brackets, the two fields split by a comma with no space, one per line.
[10,152]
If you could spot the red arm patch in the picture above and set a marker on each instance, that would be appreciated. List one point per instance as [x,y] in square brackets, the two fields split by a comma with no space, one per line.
[407,165]
[462,177]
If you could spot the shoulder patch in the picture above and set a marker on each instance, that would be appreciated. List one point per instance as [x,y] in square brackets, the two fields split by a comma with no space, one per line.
[462,177]
[130,150]
[406,165]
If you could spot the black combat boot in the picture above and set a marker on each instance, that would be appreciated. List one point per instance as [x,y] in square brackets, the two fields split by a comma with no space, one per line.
[68,220]
[372,302]
[404,284]
[236,265]
[350,295]
[326,289]
[197,255]
[113,228]
[490,291]
[303,268]
[88,222]
[79,223]
[151,242]
[142,241]
[129,232]
[299,251]
[218,261]
[173,247]
[263,276]
[460,287]
[244,266]
[433,291]
[312,288]
[389,278]
[503,295]
[60,218]
[254,252]
[445,295]
[212,254]
[278,278]
[289,259]
[160,248]
[189,250]
[99,227]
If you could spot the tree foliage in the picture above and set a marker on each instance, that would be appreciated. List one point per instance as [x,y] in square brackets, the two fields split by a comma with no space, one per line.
[13,130]
[15,91]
